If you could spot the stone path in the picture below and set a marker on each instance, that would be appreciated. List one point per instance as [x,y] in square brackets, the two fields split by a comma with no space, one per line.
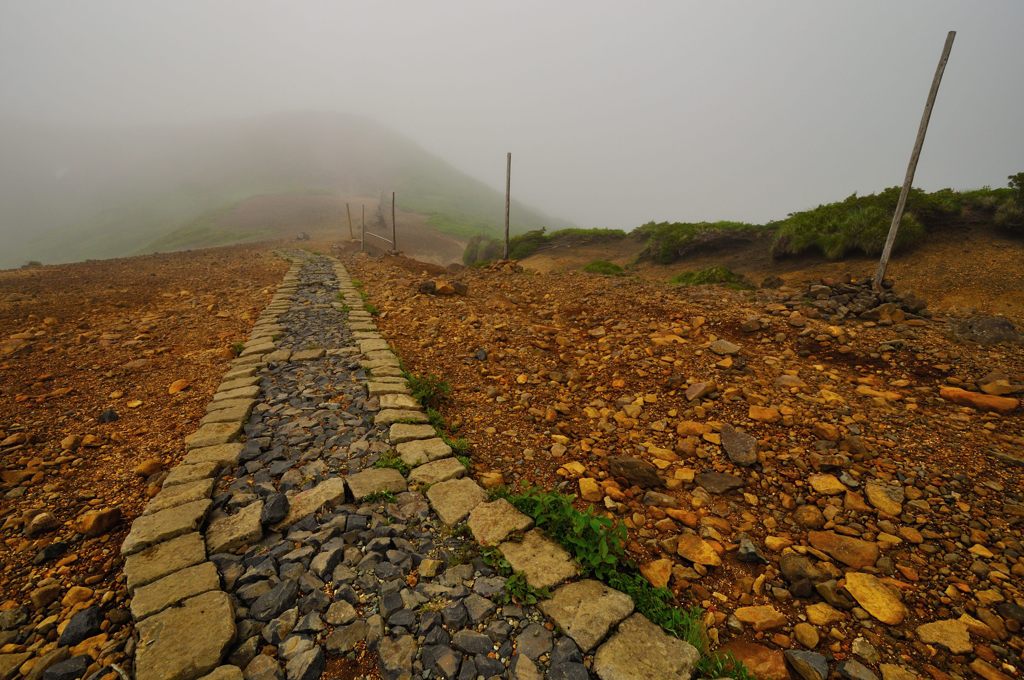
[279,544]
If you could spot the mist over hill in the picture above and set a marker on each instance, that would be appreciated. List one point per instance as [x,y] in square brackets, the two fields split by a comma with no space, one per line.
[72,193]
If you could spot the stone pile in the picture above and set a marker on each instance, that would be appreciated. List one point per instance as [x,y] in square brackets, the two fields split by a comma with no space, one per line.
[852,298]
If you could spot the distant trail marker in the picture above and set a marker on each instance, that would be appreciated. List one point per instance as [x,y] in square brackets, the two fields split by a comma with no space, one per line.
[394,229]
[508,189]
[912,166]
[351,234]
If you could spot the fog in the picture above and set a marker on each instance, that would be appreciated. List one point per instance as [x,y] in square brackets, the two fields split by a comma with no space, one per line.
[615,113]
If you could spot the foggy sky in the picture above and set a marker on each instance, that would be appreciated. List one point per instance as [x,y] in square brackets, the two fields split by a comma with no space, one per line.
[616,113]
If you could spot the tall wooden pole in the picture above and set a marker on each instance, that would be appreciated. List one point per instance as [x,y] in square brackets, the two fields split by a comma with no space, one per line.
[508,188]
[351,234]
[363,219]
[912,166]
[394,230]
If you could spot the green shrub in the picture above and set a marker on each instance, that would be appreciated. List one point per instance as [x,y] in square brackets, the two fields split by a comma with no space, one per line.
[482,248]
[604,267]
[1009,215]
[429,390]
[711,275]
[237,348]
[669,241]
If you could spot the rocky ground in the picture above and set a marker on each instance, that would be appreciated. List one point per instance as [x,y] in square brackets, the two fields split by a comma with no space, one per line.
[104,367]
[845,494]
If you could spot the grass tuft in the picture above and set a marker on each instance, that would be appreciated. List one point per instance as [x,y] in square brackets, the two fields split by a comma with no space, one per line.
[393,461]
[711,275]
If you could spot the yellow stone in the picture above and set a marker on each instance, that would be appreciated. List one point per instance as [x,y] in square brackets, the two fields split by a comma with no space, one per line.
[876,598]
[589,490]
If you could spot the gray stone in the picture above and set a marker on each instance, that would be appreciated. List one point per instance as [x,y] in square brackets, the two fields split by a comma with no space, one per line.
[306,665]
[492,523]
[229,532]
[420,451]
[635,471]
[179,494]
[544,562]
[587,610]
[164,558]
[183,474]
[182,643]
[739,446]
[718,482]
[640,650]
[437,471]
[375,480]
[534,641]
[851,669]
[808,665]
[723,347]
[82,625]
[345,638]
[148,530]
[213,433]
[472,642]
[155,597]
[305,503]
[405,432]
[257,350]
[340,613]
[69,669]
[263,667]
[523,668]
[274,602]
[454,499]
[397,654]
[390,416]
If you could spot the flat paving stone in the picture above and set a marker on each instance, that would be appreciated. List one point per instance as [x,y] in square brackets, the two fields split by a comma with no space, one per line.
[234,383]
[257,350]
[230,403]
[236,414]
[389,416]
[164,558]
[213,433]
[586,610]
[640,650]
[398,401]
[278,356]
[307,354]
[376,388]
[375,480]
[230,532]
[221,454]
[159,595]
[437,471]
[183,474]
[386,371]
[179,494]
[305,503]
[250,392]
[420,451]
[148,530]
[186,642]
[400,433]
[372,345]
[492,523]
[542,561]
[453,500]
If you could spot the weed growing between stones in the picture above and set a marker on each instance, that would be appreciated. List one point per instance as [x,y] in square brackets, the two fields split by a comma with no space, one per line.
[380,497]
[429,390]
[598,545]
[238,348]
[518,591]
[371,309]
[393,461]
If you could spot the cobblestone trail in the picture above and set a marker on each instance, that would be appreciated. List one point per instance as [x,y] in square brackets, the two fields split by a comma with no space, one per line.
[311,551]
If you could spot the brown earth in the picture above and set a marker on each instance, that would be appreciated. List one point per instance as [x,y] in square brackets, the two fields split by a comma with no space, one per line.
[554,373]
[116,334]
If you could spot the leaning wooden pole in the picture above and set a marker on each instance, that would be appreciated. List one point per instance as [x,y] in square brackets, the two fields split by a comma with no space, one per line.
[508,188]
[883,263]
[394,230]
[351,234]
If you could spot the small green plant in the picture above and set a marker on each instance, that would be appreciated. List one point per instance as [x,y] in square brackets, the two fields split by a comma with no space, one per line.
[429,390]
[393,461]
[722,665]
[372,309]
[460,445]
[519,591]
[711,275]
[238,348]
[357,284]
[604,268]
[464,460]
[380,497]
[435,418]
[496,561]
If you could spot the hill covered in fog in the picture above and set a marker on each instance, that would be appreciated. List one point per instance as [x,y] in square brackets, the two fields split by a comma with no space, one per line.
[76,193]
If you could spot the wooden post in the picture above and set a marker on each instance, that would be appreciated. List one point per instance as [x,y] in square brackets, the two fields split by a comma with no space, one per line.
[362,238]
[394,241]
[351,234]
[508,188]
[912,166]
